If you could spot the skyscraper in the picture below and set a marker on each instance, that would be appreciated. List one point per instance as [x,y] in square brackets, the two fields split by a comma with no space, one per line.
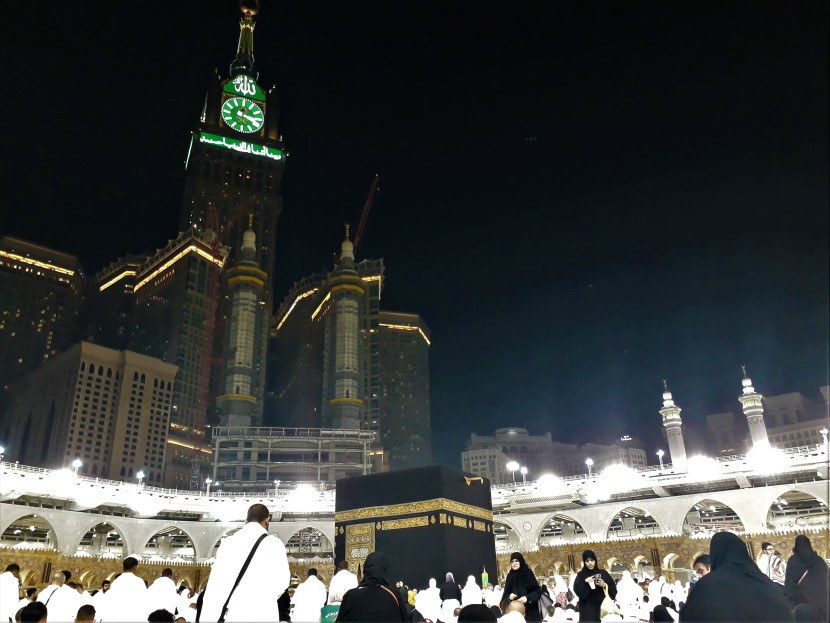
[40,301]
[173,320]
[404,389]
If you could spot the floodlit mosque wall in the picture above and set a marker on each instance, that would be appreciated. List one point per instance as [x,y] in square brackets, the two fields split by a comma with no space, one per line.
[652,521]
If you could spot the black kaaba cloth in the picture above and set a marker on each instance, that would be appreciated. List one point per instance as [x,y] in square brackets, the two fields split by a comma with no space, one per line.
[427,520]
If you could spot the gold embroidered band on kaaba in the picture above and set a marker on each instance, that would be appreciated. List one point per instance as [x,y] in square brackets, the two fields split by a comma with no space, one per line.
[372,512]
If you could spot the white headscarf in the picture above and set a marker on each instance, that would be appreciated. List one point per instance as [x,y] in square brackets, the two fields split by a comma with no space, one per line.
[559,585]
[628,591]
[471,593]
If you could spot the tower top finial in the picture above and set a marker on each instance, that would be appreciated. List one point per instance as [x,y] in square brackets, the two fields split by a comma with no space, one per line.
[743,369]
[244,61]
[251,220]
[348,227]
[665,386]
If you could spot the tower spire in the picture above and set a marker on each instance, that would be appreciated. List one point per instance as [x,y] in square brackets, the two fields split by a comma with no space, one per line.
[244,61]
[753,408]
[674,432]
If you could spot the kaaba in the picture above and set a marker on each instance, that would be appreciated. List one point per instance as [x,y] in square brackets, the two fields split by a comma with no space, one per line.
[427,520]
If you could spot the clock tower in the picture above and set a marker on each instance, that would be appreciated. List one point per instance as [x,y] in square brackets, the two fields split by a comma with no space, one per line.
[232,178]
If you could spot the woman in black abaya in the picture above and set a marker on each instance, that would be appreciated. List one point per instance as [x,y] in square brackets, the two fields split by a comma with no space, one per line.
[591,589]
[735,589]
[521,585]
[373,599]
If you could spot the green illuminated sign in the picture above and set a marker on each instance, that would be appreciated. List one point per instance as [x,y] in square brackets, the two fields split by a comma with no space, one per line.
[244,85]
[242,146]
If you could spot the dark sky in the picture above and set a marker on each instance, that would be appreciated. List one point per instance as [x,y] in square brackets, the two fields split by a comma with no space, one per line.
[667,219]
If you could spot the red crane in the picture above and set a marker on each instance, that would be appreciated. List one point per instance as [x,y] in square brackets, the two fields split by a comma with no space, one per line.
[366,207]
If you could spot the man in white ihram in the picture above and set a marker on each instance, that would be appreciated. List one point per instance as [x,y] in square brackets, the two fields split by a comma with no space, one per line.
[162,595]
[126,600]
[267,576]
[344,580]
[309,598]
[61,601]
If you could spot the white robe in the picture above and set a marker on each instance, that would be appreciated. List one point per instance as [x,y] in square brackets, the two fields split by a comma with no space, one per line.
[9,595]
[309,597]
[428,601]
[628,593]
[267,577]
[125,601]
[344,580]
[471,593]
[162,595]
[63,603]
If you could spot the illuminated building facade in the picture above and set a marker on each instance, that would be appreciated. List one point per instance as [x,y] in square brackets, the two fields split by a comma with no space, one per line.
[337,358]
[307,379]
[251,458]
[41,291]
[404,389]
[173,320]
[111,303]
[541,455]
[110,409]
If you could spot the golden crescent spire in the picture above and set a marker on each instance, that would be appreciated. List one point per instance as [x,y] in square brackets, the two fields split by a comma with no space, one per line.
[249,11]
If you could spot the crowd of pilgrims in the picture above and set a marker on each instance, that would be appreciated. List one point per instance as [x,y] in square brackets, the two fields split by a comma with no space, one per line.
[249,583]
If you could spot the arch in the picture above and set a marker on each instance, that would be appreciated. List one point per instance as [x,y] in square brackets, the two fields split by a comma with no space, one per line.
[559,526]
[311,541]
[89,579]
[227,533]
[29,577]
[796,510]
[29,527]
[709,515]
[632,521]
[505,535]
[169,541]
[102,537]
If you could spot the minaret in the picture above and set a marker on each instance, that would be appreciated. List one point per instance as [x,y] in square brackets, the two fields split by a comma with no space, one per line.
[674,432]
[346,290]
[753,407]
[246,296]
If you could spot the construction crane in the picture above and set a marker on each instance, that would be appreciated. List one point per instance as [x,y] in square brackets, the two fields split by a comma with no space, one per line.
[366,207]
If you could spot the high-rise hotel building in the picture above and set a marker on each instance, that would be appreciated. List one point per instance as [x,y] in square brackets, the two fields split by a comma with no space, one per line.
[109,409]
[40,303]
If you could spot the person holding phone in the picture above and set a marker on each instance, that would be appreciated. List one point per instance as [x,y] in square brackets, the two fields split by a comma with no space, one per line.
[590,585]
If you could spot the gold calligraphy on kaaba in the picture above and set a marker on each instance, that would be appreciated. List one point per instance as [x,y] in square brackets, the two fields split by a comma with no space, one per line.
[427,506]
[360,542]
[411,522]
[479,525]
[459,522]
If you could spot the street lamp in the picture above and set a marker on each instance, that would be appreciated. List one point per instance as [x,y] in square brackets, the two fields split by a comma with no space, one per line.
[823,432]
[660,454]
[513,466]
[140,475]
[589,462]
[207,482]
[76,465]
[524,474]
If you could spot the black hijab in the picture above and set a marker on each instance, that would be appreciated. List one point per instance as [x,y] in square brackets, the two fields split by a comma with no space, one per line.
[374,570]
[522,580]
[735,589]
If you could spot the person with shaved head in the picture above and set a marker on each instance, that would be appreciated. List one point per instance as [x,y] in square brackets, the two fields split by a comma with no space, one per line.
[264,580]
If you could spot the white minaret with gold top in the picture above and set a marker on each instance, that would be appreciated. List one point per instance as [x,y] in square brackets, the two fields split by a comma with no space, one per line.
[674,431]
[753,406]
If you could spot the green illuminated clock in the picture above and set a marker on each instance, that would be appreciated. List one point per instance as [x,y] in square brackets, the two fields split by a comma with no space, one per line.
[242,114]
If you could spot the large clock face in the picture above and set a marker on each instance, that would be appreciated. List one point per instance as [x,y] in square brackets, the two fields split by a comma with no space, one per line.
[242,114]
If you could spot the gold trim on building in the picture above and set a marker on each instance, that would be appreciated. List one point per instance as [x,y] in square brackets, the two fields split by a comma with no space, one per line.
[255,280]
[411,522]
[426,506]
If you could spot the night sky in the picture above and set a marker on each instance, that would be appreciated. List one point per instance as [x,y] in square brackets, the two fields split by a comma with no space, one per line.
[580,198]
